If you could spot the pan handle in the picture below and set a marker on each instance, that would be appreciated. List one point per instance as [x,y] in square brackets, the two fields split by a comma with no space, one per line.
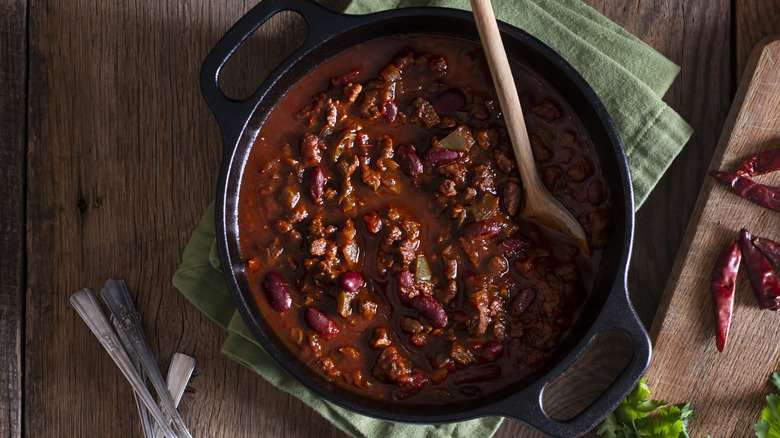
[231,114]
[617,314]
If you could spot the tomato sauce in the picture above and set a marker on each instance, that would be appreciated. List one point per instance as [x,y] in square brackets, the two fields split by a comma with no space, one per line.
[380,223]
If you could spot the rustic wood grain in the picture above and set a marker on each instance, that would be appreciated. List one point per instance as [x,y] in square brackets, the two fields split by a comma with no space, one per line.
[755,20]
[726,389]
[123,157]
[13,114]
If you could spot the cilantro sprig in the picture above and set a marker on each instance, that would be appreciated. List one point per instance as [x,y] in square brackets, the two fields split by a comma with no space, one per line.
[636,416]
[769,426]
[639,417]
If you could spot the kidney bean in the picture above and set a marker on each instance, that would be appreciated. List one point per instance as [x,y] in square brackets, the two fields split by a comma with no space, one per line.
[320,323]
[405,286]
[441,156]
[409,161]
[391,111]
[430,309]
[521,302]
[449,100]
[511,246]
[276,292]
[351,281]
[316,185]
[345,78]
[491,351]
[595,193]
[413,384]
[481,230]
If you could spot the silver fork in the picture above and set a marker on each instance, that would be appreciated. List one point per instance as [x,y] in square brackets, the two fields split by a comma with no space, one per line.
[179,374]
[117,297]
[88,308]
[143,413]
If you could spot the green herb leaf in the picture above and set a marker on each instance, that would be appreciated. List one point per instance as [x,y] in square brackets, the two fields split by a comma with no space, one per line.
[638,417]
[776,380]
[769,426]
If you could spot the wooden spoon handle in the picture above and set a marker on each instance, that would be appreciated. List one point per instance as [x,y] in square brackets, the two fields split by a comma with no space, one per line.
[539,205]
[506,89]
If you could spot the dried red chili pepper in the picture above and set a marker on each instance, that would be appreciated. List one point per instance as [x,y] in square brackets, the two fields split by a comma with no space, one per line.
[774,189]
[762,278]
[770,248]
[724,282]
[749,190]
[760,164]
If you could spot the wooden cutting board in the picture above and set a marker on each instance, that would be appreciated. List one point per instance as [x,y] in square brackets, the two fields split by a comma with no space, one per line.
[726,390]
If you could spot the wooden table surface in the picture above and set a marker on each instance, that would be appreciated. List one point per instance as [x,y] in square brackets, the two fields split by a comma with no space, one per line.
[109,156]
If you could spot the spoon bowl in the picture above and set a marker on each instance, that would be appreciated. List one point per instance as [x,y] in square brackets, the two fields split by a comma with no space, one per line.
[540,205]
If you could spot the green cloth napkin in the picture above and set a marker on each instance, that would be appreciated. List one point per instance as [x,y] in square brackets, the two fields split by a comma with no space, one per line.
[629,77]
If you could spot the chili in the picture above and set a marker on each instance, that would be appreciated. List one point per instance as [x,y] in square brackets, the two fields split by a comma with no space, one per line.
[759,164]
[724,281]
[770,248]
[762,278]
[377,221]
[749,190]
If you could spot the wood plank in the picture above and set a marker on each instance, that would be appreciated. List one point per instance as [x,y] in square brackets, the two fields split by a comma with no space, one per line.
[726,390]
[123,160]
[124,152]
[755,20]
[13,117]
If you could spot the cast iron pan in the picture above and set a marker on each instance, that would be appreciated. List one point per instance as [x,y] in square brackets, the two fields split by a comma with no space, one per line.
[607,308]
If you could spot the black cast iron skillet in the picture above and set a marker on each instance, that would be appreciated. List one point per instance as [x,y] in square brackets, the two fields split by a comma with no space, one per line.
[607,308]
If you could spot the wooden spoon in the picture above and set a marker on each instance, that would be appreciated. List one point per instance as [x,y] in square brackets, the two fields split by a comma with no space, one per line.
[540,205]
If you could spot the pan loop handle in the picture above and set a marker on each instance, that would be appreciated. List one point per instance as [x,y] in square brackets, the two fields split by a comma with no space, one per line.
[618,315]
[231,114]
